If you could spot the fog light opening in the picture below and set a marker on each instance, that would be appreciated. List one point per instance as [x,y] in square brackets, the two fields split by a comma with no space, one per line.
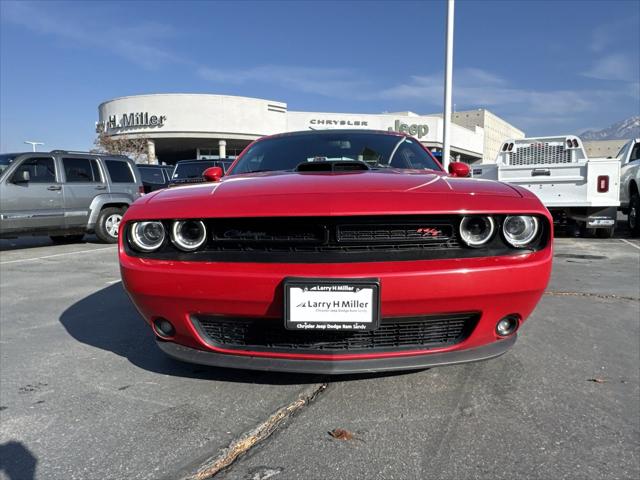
[163,328]
[508,325]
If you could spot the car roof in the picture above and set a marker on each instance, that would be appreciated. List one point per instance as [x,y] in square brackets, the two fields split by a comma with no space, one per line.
[69,152]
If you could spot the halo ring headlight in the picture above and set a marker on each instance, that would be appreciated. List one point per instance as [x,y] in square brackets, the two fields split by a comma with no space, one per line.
[147,236]
[477,230]
[520,230]
[188,235]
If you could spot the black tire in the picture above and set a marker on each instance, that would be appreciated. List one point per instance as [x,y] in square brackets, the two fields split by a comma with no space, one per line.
[62,239]
[633,216]
[605,232]
[107,220]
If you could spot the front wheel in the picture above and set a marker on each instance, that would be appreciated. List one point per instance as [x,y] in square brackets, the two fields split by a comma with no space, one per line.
[108,224]
[632,217]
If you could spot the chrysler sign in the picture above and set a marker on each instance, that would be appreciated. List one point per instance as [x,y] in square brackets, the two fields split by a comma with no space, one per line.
[131,120]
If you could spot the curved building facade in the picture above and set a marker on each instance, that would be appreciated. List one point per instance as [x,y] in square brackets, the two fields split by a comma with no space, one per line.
[185,126]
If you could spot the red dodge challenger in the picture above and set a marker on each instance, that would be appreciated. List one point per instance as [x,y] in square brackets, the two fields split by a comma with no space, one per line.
[336,251]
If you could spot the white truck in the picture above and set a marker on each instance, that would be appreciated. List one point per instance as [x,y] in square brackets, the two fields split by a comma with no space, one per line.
[629,158]
[579,191]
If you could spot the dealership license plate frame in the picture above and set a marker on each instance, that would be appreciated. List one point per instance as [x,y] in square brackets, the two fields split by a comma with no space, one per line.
[304,282]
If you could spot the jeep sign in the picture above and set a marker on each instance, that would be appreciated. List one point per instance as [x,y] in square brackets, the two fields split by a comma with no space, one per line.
[414,130]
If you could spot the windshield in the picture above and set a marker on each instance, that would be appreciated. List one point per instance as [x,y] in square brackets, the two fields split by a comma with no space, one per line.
[188,170]
[152,175]
[191,170]
[5,161]
[378,150]
[623,151]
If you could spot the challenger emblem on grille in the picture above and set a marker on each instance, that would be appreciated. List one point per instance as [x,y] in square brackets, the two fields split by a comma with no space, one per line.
[429,232]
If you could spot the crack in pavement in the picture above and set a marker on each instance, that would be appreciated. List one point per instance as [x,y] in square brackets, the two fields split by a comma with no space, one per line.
[250,439]
[592,295]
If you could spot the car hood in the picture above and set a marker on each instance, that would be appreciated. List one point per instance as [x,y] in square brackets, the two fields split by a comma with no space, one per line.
[345,193]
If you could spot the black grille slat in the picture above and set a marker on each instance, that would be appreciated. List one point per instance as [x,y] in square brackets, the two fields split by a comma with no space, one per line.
[425,233]
[393,334]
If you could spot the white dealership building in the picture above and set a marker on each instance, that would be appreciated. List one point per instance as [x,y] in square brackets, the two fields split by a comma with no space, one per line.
[184,126]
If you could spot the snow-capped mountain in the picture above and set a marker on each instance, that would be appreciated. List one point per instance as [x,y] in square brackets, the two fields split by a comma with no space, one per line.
[629,128]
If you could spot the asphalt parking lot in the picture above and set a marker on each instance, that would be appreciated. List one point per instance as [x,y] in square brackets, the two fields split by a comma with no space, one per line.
[86,394]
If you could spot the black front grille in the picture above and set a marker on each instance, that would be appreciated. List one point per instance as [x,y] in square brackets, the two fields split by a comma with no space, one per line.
[393,334]
[257,234]
[332,240]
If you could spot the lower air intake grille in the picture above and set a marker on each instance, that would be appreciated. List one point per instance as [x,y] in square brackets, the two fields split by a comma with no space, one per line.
[434,331]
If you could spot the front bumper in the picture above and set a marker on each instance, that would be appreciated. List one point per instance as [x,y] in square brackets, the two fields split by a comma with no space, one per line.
[212,358]
[492,286]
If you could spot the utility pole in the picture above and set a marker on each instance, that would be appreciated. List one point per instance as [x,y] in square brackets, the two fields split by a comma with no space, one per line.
[448,77]
[33,144]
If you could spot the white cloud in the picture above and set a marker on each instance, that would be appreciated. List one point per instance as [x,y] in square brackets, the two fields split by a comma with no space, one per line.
[528,108]
[328,82]
[475,87]
[124,41]
[616,66]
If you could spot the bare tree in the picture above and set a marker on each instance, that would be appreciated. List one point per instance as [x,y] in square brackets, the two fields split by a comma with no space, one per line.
[133,147]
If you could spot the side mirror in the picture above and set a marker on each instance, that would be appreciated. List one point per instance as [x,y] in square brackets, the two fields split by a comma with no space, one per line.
[459,169]
[22,177]
[213,174]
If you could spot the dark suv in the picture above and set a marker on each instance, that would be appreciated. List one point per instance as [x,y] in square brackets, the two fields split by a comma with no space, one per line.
[155,177]
[65,194]
[190,171]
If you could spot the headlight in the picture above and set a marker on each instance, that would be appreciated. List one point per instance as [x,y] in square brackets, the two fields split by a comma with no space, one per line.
[520,230]
[477,230]
[147,236]
[188,235]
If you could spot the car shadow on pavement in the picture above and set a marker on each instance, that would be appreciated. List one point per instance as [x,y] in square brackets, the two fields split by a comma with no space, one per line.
[108,320]
[26,243]
[17,462]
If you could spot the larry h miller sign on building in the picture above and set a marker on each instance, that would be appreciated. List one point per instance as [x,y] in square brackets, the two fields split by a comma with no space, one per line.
[131,120]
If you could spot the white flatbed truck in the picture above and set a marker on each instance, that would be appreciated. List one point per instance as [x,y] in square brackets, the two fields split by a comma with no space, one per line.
[577,190]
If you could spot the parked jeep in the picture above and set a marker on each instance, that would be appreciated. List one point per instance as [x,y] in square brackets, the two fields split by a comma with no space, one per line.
[629,157]
[65,194]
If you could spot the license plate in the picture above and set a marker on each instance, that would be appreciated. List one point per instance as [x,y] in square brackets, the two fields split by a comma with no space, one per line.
[331,304]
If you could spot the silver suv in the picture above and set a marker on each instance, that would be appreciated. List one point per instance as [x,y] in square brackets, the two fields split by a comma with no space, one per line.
[65,194]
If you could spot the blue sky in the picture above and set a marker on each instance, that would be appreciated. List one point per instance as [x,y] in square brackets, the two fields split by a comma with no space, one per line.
[549,67]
